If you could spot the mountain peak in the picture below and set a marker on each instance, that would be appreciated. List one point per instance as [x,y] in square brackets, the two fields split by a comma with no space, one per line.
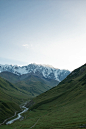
[42,70]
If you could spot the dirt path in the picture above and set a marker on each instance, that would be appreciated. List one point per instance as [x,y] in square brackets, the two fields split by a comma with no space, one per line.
[35,123]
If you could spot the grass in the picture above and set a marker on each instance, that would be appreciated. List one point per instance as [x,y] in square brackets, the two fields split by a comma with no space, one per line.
[10,99]
[7,109]
[54,115]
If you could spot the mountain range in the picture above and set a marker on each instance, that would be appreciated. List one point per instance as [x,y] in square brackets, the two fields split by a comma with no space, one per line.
[39,70]
[33,78]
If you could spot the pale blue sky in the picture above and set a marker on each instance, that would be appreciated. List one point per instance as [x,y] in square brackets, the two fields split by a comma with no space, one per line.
[44,32]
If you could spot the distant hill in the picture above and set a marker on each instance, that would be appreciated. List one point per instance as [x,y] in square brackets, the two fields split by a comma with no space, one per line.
[63,106]
[34,84]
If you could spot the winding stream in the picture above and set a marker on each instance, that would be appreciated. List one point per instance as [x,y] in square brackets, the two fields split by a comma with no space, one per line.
[18,117]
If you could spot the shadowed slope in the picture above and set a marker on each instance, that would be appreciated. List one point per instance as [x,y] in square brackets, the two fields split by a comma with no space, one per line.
[10,98]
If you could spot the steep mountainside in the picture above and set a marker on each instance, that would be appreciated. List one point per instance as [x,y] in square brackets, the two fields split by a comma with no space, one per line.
[10,98]
[39,70]
[63,106]
[74,85]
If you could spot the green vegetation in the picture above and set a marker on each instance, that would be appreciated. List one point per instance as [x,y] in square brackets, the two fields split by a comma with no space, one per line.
[10,98]
[7,109]
[62,107]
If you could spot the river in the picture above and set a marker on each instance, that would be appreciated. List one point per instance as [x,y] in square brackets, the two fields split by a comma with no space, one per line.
[18,117]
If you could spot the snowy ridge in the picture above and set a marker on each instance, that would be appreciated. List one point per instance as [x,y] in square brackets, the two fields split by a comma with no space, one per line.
[43,70]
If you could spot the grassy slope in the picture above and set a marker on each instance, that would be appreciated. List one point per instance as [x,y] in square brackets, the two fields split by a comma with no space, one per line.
[10,98]
[61,107]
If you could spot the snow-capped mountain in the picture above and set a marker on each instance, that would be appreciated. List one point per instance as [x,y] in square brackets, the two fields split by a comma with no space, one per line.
[41,70]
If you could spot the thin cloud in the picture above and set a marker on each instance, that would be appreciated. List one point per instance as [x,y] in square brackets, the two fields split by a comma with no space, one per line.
[25,45]
[28,46]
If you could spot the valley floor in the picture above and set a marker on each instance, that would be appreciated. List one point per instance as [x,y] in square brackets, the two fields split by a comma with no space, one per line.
[64,116]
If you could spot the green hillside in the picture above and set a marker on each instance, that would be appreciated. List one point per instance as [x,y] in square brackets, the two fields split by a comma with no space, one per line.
[62,107]
[10,98]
